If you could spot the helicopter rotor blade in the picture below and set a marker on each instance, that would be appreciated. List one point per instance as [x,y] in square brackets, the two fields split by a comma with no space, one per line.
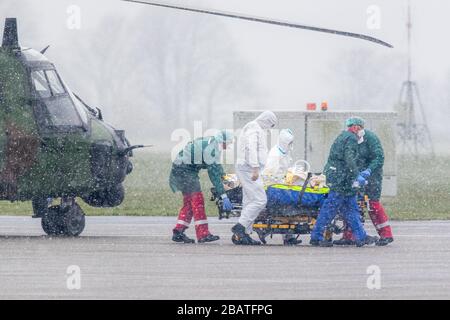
[267,21]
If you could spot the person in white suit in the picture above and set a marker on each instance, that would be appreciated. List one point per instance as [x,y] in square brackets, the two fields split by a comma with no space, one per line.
[278,162]
[280,159]
[251,159]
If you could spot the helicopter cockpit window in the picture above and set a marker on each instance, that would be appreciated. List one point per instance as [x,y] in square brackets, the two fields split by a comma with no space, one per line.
[41,84]
[61,111]
[55,84]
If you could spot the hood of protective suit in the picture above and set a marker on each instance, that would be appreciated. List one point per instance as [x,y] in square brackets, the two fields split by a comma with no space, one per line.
[285,139]
[267,120]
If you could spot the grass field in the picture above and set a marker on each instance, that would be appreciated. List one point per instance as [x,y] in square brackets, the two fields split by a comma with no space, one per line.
[424,191]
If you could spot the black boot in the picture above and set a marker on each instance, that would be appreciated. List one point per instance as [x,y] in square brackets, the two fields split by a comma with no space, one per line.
[179,236]
[344,242]
[367,241]
[321,243]
[239,230]
[384,242]
[208,238]
[248,241]
[241,238]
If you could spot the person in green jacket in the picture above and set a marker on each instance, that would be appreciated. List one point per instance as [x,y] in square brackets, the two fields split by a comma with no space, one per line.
[202,153]
[343,178]
[370,165]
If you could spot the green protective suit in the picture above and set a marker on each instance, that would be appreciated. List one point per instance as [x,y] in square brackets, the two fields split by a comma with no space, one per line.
[341,168]
[371,156]
[202,153]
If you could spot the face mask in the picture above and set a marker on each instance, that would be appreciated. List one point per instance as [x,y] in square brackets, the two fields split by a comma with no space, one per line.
[361,133]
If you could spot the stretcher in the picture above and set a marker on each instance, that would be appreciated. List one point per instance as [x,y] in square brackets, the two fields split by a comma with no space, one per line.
[290,210]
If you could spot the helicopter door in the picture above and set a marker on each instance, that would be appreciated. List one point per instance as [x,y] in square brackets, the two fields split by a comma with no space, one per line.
[65,146]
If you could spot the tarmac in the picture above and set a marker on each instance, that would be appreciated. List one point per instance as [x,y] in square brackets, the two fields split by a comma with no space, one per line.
[134,258]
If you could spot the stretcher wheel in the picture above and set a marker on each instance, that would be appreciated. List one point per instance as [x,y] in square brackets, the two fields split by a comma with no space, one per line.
[262,236]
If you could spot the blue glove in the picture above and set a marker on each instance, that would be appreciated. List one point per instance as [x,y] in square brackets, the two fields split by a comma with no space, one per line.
[366,173]
[361,180]
[227,206]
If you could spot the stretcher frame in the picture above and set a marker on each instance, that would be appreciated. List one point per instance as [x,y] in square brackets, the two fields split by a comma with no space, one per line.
[286,220]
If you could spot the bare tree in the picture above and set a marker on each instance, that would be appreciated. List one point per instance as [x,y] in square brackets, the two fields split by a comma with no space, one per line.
[367,79]
[155,69]
[196,67]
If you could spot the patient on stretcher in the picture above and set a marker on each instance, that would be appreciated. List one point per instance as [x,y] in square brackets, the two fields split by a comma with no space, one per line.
[281,194]
[290,186]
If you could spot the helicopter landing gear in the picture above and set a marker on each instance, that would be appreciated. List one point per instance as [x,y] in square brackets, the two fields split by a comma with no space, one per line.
[40,207]
[66,219]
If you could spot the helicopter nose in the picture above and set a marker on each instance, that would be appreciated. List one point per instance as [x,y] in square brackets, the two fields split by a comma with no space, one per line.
[129,167]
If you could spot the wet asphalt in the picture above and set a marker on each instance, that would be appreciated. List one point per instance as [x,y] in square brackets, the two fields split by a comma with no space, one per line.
[134,258]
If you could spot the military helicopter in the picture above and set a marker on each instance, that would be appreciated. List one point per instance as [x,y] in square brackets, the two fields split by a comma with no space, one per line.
[53,145]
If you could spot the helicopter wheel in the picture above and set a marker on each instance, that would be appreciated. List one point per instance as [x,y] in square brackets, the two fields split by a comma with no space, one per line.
[69,221]
[51,222]
[73,220]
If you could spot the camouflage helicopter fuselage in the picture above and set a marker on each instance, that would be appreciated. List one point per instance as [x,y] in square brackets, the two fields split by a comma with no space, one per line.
[51,143]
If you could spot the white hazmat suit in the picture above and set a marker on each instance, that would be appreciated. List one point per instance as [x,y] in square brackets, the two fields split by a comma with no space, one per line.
[279,159]
[251,156]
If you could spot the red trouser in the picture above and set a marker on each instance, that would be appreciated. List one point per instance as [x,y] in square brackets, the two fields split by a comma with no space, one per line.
[380,221]
[193,206]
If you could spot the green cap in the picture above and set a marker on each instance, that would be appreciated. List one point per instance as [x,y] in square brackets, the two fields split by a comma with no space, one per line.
[355,121]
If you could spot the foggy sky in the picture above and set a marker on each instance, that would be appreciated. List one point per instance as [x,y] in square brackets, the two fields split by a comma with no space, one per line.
[287,67]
